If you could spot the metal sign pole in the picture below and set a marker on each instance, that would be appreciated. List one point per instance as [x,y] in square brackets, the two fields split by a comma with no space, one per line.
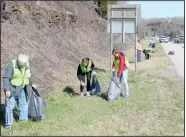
[111,47]
[136,42]
[122,27]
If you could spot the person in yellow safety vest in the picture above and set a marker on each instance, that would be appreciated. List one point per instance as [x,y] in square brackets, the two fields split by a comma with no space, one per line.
[139,50]
[85,68]
[120,68]
[16,81]
[176,35]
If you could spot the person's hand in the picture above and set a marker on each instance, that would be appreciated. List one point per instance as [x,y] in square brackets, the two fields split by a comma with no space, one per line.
[113,72]
[34,87]
[82,83]
[7,94]
[94,72]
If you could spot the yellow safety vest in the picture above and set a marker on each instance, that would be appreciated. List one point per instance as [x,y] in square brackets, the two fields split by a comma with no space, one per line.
[138,46]
[117,62]
[20,76]
[86,69]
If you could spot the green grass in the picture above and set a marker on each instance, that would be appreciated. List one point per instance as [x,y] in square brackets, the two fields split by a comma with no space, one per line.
[155,107]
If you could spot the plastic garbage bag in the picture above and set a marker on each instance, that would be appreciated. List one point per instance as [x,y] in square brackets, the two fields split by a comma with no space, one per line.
[36,108]
[171,52]
[95,87]
[114,90]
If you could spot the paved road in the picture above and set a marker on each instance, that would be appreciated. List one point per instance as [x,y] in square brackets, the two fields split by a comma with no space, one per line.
[178,57]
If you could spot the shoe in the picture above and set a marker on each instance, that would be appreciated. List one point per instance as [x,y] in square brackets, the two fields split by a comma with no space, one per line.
[88,94]
[9,129]
[122,95]
[82,94]
[126,96]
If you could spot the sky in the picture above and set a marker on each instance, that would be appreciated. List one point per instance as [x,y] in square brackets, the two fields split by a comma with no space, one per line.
[151,9]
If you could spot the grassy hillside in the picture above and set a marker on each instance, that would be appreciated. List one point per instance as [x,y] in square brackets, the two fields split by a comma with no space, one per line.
[155,106]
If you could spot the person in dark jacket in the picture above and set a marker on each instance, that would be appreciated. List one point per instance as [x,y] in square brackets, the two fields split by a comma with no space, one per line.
[147,52]
[85,68]
[16,83]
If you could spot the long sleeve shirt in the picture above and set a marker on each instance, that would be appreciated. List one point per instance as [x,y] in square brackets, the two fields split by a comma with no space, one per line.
[80,73]
[122,65]
[8,75]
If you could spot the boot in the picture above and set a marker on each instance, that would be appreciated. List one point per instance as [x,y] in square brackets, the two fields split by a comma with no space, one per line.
[82,94]
[88,93]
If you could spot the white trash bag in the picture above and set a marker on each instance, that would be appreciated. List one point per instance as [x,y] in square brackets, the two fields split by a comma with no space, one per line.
[114,90]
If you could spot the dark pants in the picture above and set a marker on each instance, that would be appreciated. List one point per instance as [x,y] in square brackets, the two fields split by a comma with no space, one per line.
[138,55]
[82,77]
[147,56]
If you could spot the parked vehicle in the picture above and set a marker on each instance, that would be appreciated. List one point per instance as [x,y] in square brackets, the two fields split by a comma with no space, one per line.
[179,39]
[155,39]
[171,39]
[164,39]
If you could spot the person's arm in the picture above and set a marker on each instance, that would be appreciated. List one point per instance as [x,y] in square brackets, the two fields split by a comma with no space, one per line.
[113,66]
[79,73]
[30,81]
[93,66]
[7,77]
[141,46]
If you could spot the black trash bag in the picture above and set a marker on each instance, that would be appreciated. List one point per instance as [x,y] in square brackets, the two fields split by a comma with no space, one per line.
[2,115]
[95,87]
[114,90]
[171,52]
[36,107]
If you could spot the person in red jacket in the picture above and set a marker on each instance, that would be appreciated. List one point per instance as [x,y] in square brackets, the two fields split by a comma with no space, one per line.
[120,68]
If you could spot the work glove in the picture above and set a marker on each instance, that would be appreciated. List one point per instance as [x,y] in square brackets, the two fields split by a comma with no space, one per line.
[7,94]
[82,83]
[94,72]
[34,87]
[113,72]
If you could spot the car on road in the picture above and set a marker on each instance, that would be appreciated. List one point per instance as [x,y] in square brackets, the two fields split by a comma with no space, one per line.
[179,39]
[171,39]
[164,39]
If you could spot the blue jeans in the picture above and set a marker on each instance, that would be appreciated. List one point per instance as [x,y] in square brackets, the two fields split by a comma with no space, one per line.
[138,55]
[124,80]
[10,105]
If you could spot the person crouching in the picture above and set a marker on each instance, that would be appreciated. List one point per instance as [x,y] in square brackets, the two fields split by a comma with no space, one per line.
[85,68]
